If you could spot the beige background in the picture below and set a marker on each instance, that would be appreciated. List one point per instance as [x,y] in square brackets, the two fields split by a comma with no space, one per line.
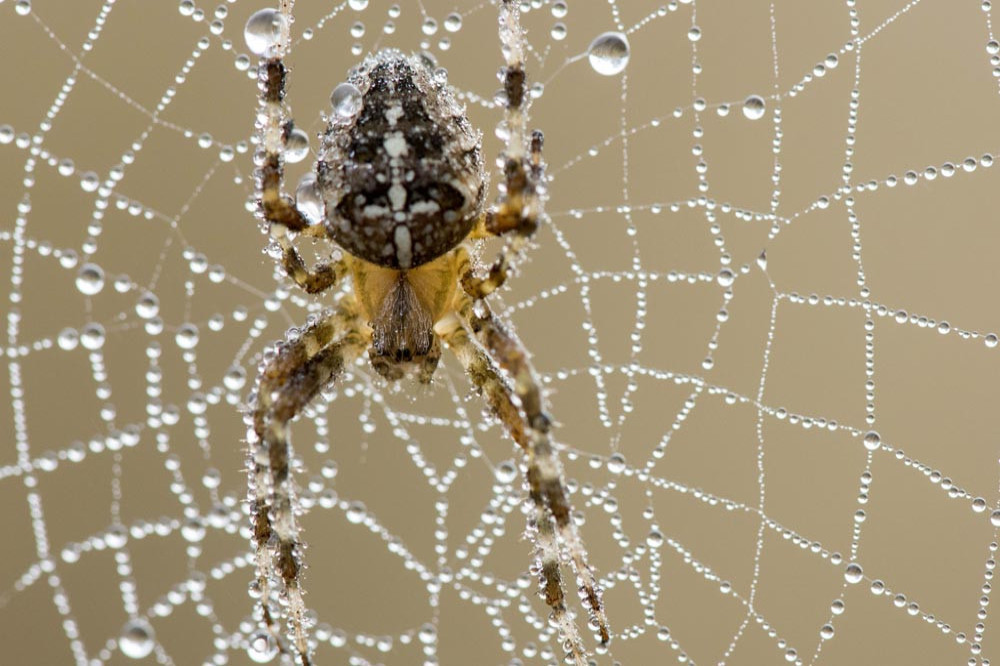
[742,496]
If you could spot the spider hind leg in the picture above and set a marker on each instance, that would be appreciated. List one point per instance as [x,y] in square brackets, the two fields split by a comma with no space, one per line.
[288,382]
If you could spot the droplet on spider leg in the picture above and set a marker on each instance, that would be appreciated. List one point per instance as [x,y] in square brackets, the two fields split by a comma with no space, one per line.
[137,639]
[609,53]
[263,31]
[296,146]
[261,647]
[346,100]
[309,199]
[754,107]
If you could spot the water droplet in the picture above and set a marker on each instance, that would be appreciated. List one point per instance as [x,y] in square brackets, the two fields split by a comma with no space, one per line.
[993,47]
[90,279]
[22,7]
[453,22]
[148,305]
[559,9]
[356,512]
[92,336]
[995,518]
[187,336]
[6,134]
[296,146]
[853,574]
[725,278]
[137,639]
[991,340]
[655,538]
[558,32]
[427,634]
[68,339]
[346,100]
[263,31]
[429,26]
[89,181]
[308,198]
[826,632]
[694,33]
[616,463]
[261,647]
[609,53]
[753,107]
[872,440]
[979,505]
[506,471]
[358,5]
[235,378]
[193,530]
[663,634]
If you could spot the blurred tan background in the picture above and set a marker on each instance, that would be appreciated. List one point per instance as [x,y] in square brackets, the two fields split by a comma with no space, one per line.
[748,487]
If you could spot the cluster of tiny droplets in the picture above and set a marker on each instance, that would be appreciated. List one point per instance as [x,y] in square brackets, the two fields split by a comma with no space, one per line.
[459,566]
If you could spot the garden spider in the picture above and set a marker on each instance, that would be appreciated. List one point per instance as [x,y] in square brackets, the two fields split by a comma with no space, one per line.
[401,175]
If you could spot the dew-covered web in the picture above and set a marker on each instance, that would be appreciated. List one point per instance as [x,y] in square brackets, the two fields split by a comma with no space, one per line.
[762,307]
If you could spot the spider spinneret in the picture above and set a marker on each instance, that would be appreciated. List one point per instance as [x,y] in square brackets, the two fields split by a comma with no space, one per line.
[401,179]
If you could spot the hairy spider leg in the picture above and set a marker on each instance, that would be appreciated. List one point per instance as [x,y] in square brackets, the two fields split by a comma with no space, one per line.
[276,207]
[290,380]
[516,215]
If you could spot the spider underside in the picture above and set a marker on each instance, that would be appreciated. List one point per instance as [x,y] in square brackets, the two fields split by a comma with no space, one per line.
[403,187]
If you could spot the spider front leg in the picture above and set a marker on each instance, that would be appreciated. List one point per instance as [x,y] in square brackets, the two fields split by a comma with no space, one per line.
[288,382]
[273,205]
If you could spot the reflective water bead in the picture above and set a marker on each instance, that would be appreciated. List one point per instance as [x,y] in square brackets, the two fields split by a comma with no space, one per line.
[22,7]
[68,339]
[92,336]
[89,182]
[137,639]
[358,5]
[506,472]
[6,134]
[296,146]
[558,32]
[453,22]
[609,53]
[559,9]
[148,305]
[826,632]
[616,463]
[346,100]
[356,512]
[90,279]
[263,31]
[187,336]
[872,440]
[853,574]
[309,199]
[261,647]
[754,107]
[694,33]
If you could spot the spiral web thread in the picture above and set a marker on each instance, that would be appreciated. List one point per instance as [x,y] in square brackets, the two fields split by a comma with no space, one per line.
[762,307]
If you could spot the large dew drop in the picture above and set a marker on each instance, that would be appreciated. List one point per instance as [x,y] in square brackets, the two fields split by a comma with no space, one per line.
[296,146]
[261,647]
[263,31]
[137,639]
[90,279]
[753,107]
[346,100]
[609,53]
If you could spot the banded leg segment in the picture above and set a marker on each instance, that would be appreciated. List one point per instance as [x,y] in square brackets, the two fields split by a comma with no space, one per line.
[518,211]
[289,382]
[491,386]
[545,475]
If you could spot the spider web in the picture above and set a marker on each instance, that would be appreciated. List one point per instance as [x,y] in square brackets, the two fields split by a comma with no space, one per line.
[762,309]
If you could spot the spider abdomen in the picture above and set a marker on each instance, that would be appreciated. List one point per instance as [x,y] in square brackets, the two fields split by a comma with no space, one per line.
[402,177]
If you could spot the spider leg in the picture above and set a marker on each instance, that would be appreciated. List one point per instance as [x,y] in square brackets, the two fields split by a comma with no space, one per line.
[518,211]
[274,206]
[286,385]
[483,373]
[510,354]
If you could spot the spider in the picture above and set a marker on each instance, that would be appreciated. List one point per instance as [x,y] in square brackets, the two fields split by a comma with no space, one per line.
[401,176]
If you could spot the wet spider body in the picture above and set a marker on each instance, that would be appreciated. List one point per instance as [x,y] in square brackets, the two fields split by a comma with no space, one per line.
[404,173]
[401,179]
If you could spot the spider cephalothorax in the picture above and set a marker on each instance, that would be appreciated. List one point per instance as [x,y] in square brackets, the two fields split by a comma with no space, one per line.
[400,174]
